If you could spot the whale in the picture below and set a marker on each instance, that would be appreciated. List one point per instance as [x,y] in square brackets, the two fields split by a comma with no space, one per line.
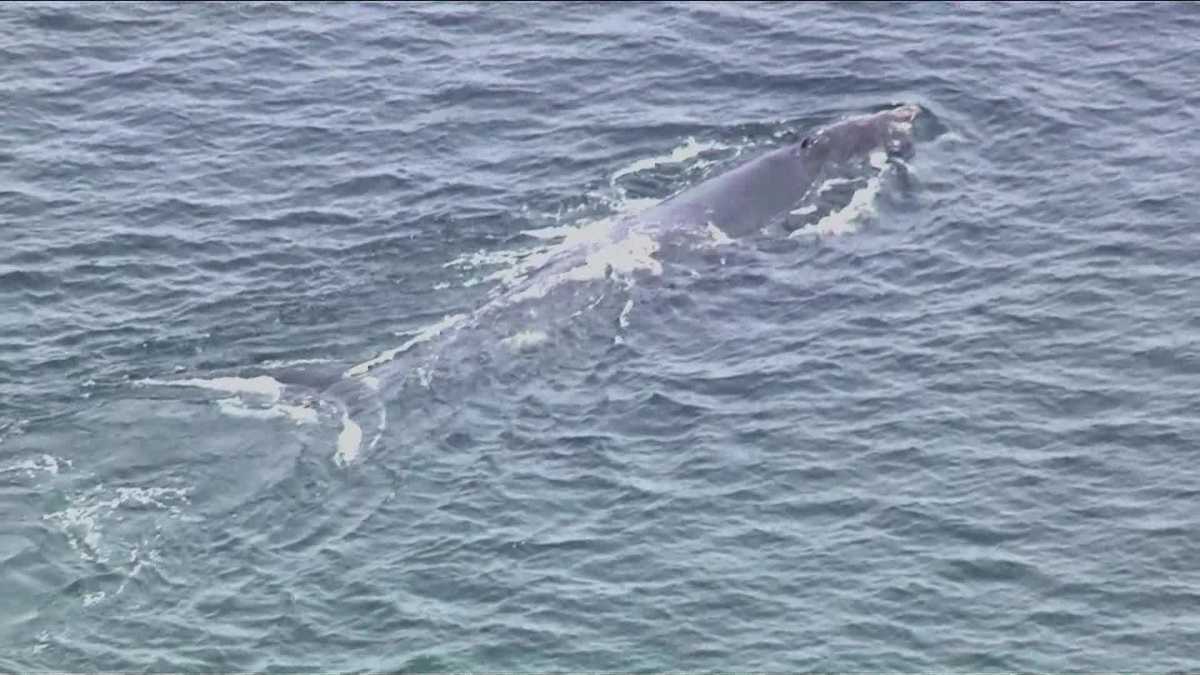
[756,196]
[762,191]
[759,195]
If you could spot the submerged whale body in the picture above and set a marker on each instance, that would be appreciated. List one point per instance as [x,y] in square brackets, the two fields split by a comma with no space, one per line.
[758,195]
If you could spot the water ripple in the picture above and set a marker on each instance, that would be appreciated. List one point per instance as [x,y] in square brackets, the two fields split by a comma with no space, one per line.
[958,438]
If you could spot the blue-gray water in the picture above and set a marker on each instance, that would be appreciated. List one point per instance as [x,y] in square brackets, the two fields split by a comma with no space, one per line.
[960,435]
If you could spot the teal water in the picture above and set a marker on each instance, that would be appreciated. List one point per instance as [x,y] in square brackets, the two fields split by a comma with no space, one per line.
[955,431]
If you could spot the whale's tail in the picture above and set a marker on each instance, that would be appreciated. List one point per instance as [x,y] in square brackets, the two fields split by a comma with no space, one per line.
[363,417]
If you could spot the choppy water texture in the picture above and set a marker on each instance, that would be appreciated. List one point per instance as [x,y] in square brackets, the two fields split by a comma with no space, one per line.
[954,430]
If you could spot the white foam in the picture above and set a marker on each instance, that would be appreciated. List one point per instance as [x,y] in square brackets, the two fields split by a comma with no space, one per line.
[262,385]
[289,363]
[90,599]
[300,414]
[832,183]
[525,340]
[620,258]
[861,207]
[635,206]
[265,394]
[81,521]
[716,235]
[236,407]
[43,463]
[517,266]
[14,428]
[349,441]
[551,232]
[878,159]
[586,308]
[137,560]
[426,334]
[564,212]
[579,238]
[484,258]
[689,150]
[425,376]
[623,319]
[84,520]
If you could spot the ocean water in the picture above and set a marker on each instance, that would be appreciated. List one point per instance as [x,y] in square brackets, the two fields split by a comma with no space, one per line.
[954,428]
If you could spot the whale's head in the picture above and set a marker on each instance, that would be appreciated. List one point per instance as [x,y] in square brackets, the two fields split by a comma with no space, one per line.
[890,131]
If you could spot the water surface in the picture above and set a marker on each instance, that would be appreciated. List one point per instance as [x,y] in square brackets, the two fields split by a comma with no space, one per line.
[958,432]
